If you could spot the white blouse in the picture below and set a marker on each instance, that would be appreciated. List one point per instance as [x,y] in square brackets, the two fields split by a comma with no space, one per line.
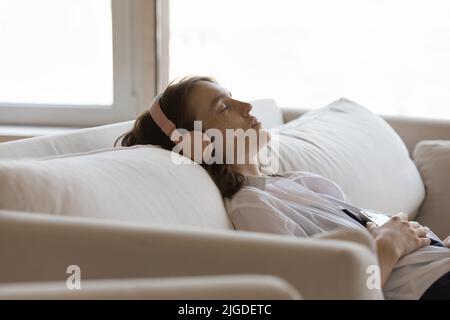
[301,204]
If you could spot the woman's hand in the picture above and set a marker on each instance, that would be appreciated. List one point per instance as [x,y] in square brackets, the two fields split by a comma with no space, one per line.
[395,239]
[402,235]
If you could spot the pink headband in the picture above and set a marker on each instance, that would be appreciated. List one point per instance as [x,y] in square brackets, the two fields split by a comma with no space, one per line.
[160,118]
[168,127]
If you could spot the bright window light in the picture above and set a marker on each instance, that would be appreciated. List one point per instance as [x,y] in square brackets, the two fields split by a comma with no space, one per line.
[56,52]
[390,56]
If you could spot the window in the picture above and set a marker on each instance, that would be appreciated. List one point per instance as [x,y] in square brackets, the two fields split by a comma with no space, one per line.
[73,62]
[79,70]
[390,56]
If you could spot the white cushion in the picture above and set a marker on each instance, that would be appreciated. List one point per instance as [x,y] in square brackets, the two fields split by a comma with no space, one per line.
[139,183]
[83,140]
[432,158]
[358,150]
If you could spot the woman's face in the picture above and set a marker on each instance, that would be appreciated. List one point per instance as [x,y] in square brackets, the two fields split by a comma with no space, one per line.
[216,108]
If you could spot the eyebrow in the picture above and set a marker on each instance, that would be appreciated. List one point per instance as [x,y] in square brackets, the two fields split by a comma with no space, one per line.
[216,99]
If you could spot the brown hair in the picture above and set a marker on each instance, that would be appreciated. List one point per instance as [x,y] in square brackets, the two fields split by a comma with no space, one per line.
[173,102]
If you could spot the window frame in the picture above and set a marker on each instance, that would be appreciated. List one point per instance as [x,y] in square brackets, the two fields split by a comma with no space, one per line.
[134,76]
[162,43]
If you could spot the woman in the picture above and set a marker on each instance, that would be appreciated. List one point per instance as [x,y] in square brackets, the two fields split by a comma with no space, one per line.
[297,203]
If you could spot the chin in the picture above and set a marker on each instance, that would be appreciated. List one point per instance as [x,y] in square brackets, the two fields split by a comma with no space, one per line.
[265,135]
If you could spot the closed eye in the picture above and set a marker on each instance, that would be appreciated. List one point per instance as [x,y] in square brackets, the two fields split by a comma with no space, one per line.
[224,107]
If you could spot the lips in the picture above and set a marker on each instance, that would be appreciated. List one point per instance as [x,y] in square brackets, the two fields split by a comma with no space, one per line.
[254,121]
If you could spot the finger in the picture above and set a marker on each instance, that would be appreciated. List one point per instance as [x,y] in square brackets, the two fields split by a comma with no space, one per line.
[370,226]
[421,231]
[403,216]
[414,224]
[424,242]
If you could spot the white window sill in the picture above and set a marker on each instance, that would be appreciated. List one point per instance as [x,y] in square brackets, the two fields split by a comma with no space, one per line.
[9,132]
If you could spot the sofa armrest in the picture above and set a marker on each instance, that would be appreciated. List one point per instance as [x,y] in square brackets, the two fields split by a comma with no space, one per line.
[39,247]
[238,287]
[362,237]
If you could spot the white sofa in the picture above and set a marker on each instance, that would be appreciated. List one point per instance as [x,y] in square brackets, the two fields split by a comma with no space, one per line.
[178,260]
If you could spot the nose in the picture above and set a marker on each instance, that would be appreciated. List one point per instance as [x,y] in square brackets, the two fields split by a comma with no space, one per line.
[246,108]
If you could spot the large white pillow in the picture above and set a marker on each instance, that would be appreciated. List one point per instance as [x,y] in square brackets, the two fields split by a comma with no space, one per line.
[358,150]
[139,183]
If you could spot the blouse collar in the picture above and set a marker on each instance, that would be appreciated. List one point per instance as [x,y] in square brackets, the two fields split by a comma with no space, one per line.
[256,181]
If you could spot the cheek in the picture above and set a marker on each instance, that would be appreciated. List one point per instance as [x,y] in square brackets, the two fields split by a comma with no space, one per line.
[223,122]
[215,124]
[235,121]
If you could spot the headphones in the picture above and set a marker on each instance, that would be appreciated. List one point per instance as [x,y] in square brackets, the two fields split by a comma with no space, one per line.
[194,145]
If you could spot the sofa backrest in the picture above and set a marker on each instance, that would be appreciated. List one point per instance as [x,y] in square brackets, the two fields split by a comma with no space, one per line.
[88,140]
